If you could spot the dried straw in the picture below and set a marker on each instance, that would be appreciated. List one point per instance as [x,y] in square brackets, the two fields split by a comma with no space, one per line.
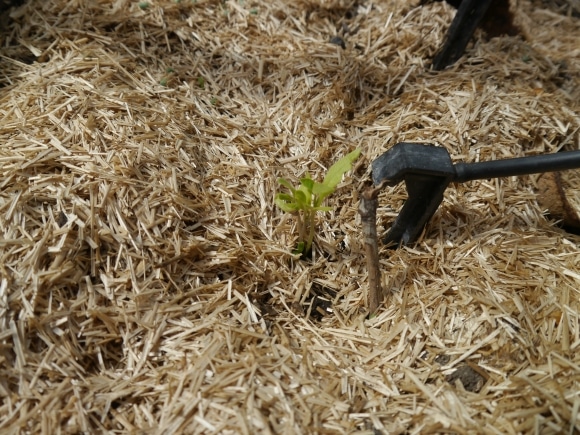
[147,283]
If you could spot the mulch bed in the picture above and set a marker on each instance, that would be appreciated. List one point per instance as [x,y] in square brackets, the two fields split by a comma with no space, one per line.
[147,282]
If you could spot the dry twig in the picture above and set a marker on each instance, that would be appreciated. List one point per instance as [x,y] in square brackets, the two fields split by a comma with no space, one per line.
[368,212]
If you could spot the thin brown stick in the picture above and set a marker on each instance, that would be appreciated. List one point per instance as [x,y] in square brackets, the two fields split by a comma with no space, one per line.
[368,212]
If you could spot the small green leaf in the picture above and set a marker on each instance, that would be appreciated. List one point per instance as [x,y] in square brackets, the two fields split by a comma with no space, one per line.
[336,171]
[286,203]
[303,197]
[288,208]
[299,248]
[285,197]
[286,183]
[321,188]
[308,183]
[321,191]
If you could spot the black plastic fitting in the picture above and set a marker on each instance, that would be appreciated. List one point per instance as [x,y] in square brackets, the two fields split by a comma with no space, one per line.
[427,170]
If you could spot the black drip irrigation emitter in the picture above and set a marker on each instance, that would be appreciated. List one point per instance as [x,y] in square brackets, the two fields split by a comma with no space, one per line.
[427,170]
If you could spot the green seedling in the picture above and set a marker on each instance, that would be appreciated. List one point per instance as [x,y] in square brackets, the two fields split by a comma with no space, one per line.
[306,200]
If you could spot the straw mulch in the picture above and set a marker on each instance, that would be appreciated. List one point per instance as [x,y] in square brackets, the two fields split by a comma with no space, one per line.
[147,282]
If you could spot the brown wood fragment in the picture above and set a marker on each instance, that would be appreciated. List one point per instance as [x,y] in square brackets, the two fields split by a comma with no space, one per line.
[557,192]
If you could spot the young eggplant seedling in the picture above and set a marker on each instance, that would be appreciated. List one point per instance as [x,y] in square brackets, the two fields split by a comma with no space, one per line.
[307,199]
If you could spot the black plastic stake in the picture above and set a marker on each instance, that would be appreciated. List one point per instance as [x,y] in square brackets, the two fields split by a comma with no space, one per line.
[466,20]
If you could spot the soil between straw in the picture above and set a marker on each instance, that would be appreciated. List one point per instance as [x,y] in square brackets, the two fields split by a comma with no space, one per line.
[147,283]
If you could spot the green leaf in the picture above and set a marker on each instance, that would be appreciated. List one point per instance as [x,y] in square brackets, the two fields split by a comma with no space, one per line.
[336,171]
[286,203]
[307,196]
[308,183]
[321,191]
[286,183]
[285,197]
[301,198]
